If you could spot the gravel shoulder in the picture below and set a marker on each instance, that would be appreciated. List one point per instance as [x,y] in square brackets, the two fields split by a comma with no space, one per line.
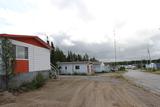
[86,91]
[148,81]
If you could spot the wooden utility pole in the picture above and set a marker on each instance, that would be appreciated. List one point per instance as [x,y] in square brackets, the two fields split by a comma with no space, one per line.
[115,49]
[149,55]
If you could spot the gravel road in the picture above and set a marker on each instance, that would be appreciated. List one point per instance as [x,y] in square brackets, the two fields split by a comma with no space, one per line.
[86,91]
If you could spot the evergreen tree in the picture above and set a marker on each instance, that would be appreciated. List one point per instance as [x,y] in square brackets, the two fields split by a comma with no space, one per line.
[86,57]
[79,57]
[93,59]
[57,56]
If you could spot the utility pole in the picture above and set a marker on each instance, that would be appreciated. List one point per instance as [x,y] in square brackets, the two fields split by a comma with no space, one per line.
[149,55]
[115,49]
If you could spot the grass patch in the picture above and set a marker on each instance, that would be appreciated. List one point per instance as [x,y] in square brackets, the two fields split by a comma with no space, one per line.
[157,72]
[118,75]
[154,71]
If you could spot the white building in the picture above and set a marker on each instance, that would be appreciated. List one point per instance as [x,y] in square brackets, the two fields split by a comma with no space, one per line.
[130,67]
[32,56]
[151,66]
[107,68]
[75,67]
[99,67]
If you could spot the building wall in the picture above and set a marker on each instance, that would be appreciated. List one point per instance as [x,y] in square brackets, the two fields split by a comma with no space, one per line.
[38,57]
[107,68]
[152,66]
[99,67]
[71,68]
[21,78]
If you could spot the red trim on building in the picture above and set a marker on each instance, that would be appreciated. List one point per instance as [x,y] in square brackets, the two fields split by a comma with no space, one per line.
[34,40]
[22,66]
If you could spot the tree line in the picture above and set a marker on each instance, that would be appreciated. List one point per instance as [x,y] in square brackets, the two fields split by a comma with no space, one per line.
[135,62]
[58,55]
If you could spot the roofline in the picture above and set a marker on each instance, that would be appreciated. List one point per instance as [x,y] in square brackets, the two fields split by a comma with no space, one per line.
[76,62]
[26,36]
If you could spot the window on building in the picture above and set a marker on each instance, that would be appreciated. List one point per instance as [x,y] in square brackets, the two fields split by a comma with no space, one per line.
[21,52]
[77,67]
[65,67]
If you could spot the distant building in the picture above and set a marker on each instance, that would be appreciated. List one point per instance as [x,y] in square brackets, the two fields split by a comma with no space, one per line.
[152,66]
[100,67]
[130,67]
[107,68]
[158,65]
[79,67]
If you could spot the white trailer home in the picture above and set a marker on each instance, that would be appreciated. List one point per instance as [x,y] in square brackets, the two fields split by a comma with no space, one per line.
[151,66]
[32,56]
[99,67]
[75,67]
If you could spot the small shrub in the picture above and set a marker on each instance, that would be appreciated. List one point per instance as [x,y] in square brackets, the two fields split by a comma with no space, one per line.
[39,80]
[75,73]
[122,69]
[103,71]
[36,83]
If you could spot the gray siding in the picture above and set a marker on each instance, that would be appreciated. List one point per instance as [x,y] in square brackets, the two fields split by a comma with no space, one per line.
[26,77]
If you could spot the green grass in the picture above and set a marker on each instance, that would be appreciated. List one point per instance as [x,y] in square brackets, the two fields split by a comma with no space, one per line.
[157,72]
[118,74]
[152,71]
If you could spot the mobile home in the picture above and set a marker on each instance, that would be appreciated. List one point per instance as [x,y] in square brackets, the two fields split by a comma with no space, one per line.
[32,56]
[99,67]
[76,67]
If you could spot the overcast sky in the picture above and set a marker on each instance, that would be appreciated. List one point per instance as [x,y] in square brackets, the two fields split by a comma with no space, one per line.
[86,26]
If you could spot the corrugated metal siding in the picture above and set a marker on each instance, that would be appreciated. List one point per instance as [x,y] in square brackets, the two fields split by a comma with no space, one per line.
[39,58]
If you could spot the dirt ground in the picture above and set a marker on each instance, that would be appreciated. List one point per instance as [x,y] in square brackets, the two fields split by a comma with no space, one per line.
[86,91]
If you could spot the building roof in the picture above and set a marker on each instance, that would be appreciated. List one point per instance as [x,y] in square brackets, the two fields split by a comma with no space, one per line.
[76,62]
[24,38]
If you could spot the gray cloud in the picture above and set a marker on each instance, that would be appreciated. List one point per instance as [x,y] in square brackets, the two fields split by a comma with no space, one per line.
[4,22]
[15,5]
[74,4]
[105,51]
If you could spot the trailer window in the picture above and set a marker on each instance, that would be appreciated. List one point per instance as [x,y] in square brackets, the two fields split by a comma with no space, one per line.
[21,52]
[65,67]
[77,67]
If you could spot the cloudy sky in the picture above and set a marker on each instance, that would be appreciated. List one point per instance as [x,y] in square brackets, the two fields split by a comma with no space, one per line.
[86,26]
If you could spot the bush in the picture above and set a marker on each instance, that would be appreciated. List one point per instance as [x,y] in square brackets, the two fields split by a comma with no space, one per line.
[36,83]
[122,69]
[39,80]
